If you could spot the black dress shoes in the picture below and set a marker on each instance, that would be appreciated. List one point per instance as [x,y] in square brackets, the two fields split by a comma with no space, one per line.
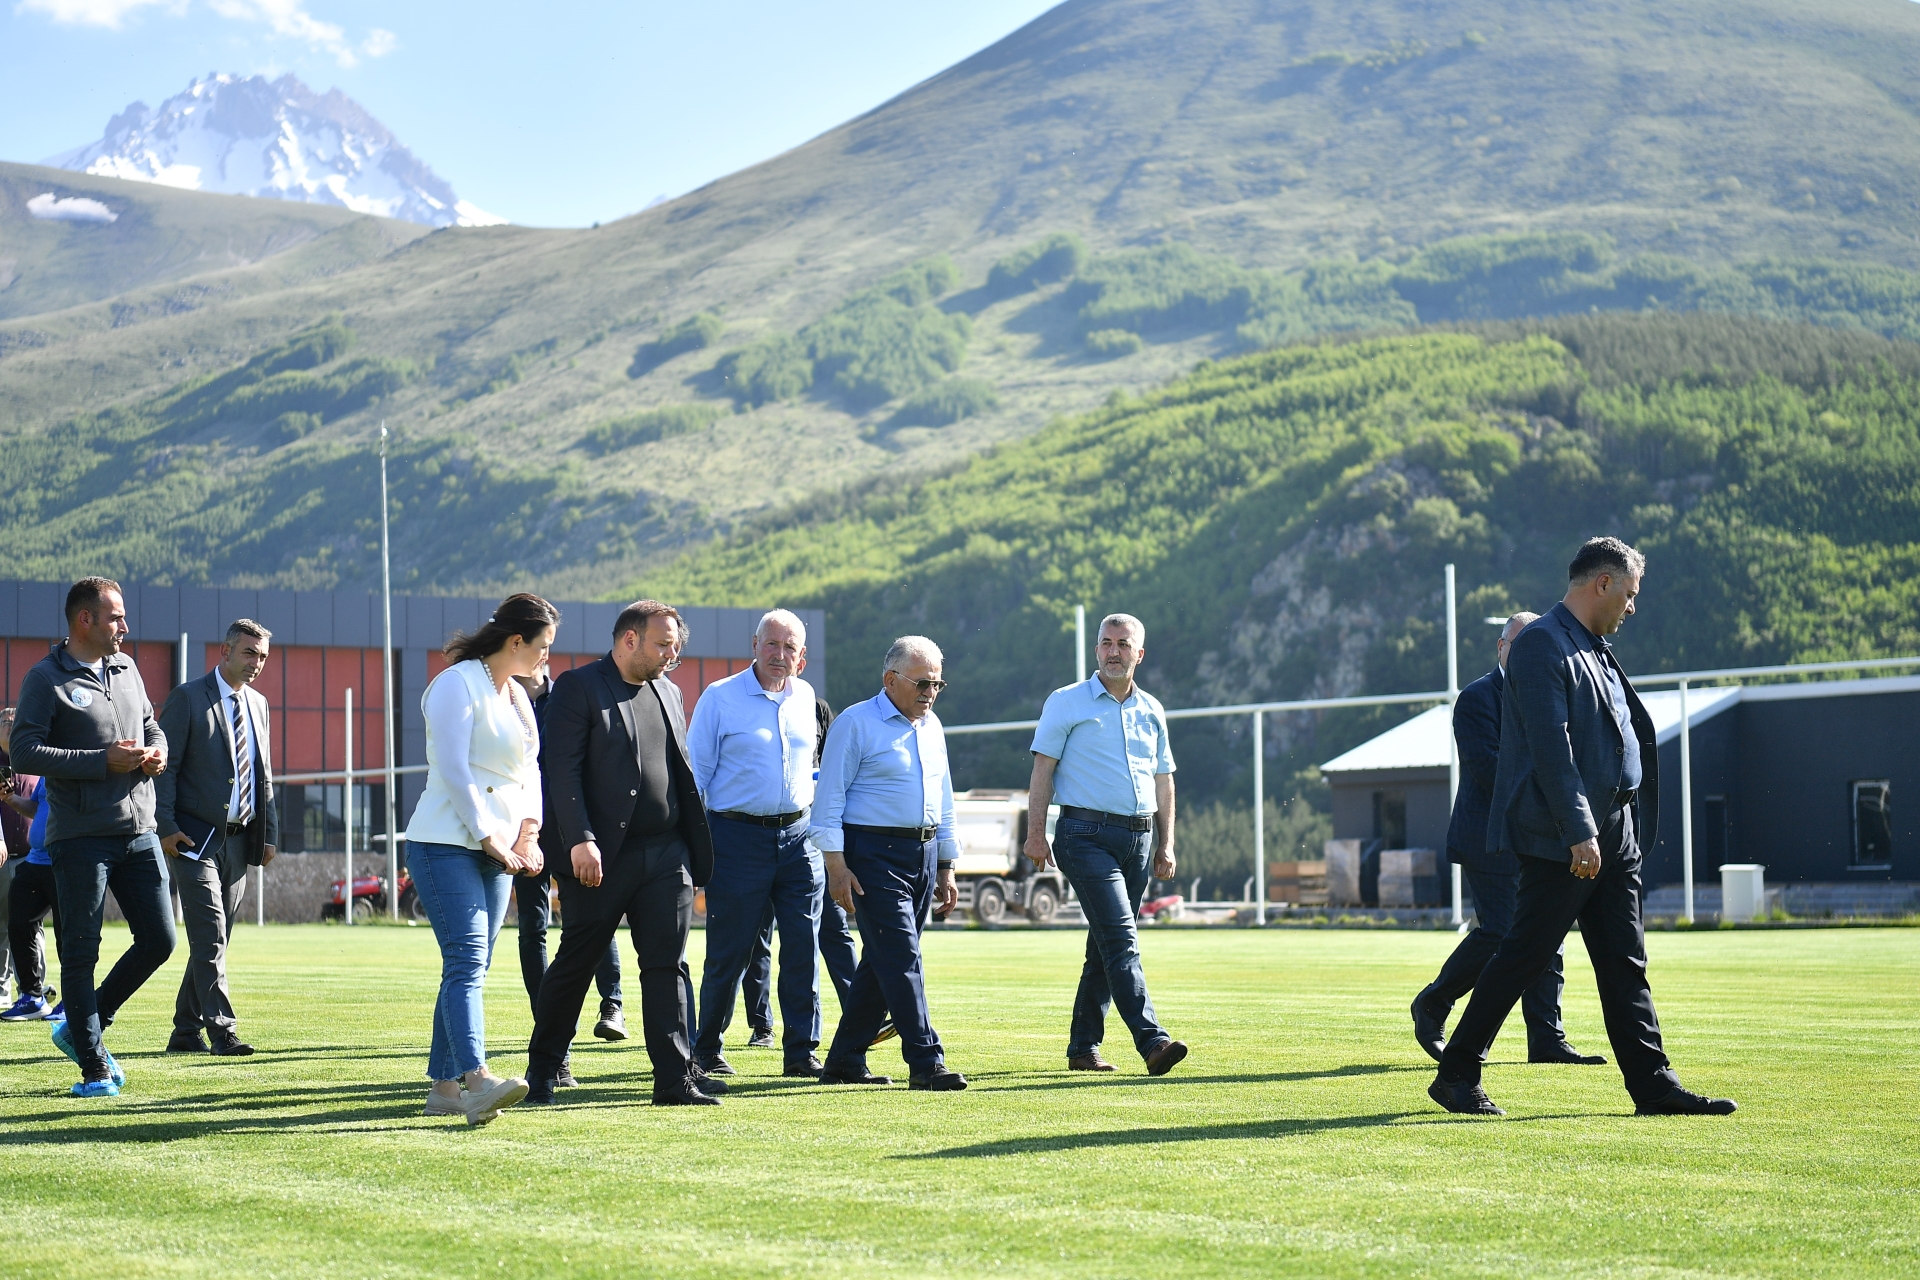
[707,1084]
[837,1075]
[941,1081]
[1429,1029]
[563,1078]
[762,1038]
[186,1042]
[714,1066]
[612,1024]
[1685,1102]
[1461,1098]
[539,1093]
[1566,1055]
[231,1046]
[809,1067]
[683,1093]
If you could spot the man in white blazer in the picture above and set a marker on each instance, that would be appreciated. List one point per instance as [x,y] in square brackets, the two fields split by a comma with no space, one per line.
[215,802]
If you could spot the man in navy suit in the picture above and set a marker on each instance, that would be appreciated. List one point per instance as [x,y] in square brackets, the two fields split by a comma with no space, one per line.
[1575,796]
[1494,878]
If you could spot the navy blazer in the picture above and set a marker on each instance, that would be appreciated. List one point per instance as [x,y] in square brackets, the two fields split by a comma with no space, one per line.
[198,780]
[590,766]
[1476,734]
[1560,748]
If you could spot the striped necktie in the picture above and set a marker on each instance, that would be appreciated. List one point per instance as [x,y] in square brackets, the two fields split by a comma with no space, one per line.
[242,763]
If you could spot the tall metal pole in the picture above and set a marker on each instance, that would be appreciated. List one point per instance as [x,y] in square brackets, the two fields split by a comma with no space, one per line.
[1453,747]
[346,812]
[386,675]
[1079,644]
[1259,821]
[1686,803]
[181,661]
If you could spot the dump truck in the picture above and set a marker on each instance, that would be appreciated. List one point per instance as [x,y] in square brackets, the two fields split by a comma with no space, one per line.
[995,877]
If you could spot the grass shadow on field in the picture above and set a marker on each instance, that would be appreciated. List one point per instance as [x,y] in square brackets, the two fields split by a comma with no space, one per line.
[1237,1132]
[1092,1080]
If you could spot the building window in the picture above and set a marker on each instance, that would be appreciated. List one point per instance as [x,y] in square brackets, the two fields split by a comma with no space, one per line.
[1872,825]
[1390,819]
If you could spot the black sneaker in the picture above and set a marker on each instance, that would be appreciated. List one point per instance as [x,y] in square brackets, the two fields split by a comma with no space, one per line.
[850,1075]
[612,1025]
[1461,1098]
[762,1038]
[714,1066]
[539,1093]
[563,1078]
[683,1093]
[706,1083]
[186,1042]
[809,1067]
[941,1081]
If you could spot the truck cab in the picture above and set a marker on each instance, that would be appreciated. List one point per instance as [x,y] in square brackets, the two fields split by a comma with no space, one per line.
[995,878]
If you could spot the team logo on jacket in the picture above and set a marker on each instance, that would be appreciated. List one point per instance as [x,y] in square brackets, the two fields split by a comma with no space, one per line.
[82,698]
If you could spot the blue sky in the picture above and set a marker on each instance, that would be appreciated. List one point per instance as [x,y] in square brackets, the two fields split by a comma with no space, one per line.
[549,115]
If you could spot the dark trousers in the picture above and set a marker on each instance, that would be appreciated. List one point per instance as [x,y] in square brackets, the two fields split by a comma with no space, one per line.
[83,871]
[33,900]
[536,913]
[210,891]
[836,947]
[647,884]
[755,868]
[1607,908]
[756,984]
[896,878]
[1108,867]
[1495,894]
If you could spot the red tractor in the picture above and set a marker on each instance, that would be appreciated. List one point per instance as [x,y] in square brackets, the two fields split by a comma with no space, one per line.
[370,898]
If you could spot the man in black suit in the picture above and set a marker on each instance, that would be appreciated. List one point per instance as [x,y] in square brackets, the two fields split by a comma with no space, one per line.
[614,764]
[1494,877]
[215,801]
[1576,797]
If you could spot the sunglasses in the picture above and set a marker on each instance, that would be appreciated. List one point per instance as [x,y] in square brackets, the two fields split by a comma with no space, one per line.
[925,686]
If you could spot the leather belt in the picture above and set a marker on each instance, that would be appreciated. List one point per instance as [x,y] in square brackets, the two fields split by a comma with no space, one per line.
[1621,799]
[922,834]
[235,828]
[1129,821]
[777,821]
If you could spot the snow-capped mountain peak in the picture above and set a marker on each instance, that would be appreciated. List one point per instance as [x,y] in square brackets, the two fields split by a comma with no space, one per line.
[278,139]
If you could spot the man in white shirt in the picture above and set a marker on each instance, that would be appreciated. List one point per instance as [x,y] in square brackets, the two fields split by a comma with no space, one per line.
[215,802]
[752,745]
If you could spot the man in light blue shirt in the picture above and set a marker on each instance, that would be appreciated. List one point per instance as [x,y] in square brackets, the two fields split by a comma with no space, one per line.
[884,818]
[751,746]
[1101,752]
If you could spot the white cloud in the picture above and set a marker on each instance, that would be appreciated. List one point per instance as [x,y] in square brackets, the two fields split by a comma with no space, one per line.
[288,18]
[71,209]
[89,13]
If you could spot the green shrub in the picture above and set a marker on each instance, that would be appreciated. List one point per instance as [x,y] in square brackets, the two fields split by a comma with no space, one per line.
[946,402]
[1058,257]
[920,283]
[876,348]
[649,425]
[1110,344]
[1172,286]
[290,426]
[692,334]
[773,367]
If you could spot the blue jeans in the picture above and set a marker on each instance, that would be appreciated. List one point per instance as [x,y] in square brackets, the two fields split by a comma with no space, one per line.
[83,871]
[896,878]
[752,868]
[465,896]
[1107,867]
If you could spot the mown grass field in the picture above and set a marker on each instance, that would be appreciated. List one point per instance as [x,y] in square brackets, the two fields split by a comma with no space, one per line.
[1296,1140]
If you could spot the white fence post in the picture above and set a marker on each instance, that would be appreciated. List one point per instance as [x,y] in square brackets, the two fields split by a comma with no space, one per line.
[1686,802]
[346,812]
[1259,821]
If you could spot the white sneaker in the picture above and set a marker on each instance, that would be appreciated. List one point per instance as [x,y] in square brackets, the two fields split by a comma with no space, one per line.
[439,1104]
[483,1105]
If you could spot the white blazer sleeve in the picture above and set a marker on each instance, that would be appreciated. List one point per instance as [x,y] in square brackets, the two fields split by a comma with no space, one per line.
[450,716]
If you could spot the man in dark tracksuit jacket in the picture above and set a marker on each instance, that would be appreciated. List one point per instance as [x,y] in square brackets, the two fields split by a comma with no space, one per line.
[85,725]
[1576,797]
[1493,876]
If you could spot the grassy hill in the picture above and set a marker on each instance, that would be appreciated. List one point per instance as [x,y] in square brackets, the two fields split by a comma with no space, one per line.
[1235,175]
[1279,522]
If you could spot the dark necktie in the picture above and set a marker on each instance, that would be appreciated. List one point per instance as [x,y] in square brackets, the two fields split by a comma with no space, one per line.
[242,763]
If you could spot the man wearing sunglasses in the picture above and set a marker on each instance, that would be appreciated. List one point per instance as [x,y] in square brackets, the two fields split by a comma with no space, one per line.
[883,818]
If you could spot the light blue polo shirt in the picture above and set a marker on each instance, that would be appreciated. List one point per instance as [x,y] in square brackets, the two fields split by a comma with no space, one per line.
[1109,752]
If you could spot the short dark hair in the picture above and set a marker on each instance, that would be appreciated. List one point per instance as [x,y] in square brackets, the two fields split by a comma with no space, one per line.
[1605,555]
[525,615]
[636,616]
[86,594]
[247,627]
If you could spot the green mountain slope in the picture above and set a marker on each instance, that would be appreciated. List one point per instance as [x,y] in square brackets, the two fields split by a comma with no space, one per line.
[1752,159]
[1279,521]
[158,235]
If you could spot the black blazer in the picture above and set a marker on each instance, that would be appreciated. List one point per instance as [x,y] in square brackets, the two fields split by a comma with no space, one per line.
[198,781]
[590,766]
[1476,735]
[1560,749]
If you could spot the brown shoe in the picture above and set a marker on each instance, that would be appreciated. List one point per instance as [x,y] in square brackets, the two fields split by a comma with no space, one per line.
[1166,1057]
[1089,1062]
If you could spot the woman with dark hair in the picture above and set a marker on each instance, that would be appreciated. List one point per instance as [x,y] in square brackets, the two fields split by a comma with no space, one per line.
[476,826]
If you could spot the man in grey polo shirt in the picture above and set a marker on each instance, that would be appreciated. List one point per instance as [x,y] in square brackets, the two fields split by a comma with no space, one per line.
[1101,751]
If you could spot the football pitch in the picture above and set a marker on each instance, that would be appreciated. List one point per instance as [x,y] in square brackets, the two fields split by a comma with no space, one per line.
[1296,1140]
